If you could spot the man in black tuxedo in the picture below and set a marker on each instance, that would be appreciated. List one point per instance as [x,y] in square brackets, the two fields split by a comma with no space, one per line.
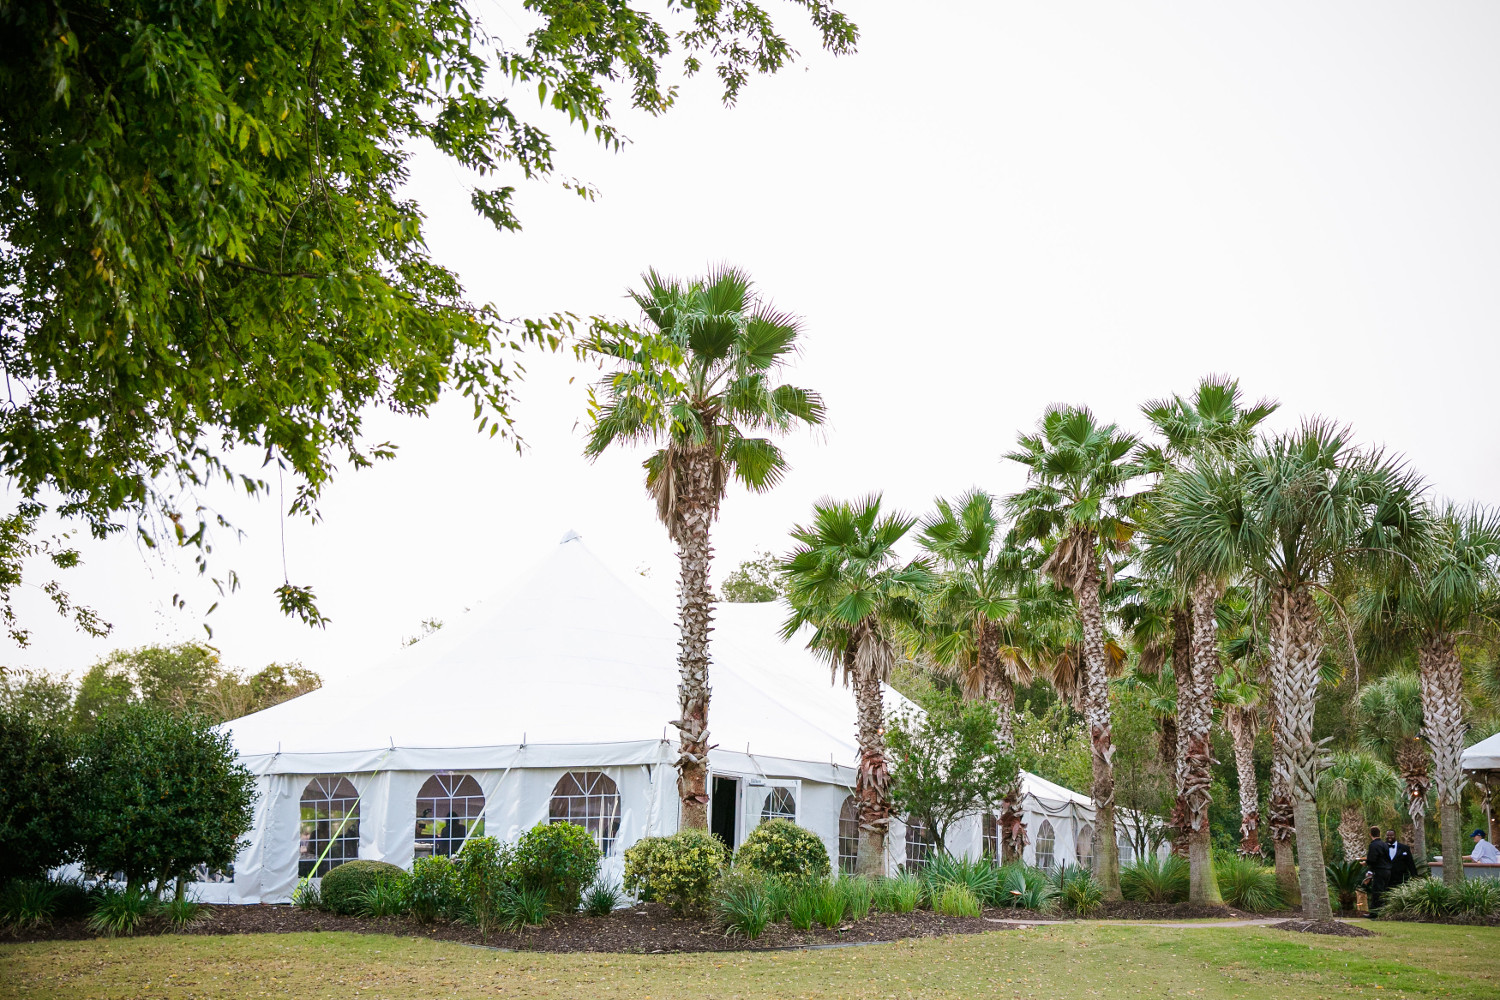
[1377,870]
[1403,865]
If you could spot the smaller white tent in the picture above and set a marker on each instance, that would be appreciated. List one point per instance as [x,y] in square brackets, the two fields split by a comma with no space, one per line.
[554,702]
[1482,756]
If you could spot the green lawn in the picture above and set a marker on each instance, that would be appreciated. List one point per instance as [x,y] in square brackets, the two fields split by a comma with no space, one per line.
[1055,963]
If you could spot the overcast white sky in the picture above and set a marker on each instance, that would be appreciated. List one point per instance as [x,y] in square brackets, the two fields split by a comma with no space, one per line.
[992,206]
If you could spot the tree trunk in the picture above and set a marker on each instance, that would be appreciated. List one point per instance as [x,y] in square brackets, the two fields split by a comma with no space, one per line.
[1196,759]
[1182,673]
[697,506]
[1412,762]
[1241,724]
[1279,806]
[1096,711]
[1352,830]
[873,780]
[1296,699]
[1443,728]
[1011,822]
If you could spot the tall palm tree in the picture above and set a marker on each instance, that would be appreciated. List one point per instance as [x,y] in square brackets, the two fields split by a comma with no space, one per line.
[1296,515]
[1389,716]
[1354,784]
[1079,474]
[965,630]
[845,580]
[1453,588]
[1211,426]
[698,380]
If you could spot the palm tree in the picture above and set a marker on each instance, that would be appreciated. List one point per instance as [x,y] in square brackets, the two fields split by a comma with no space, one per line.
[1212,426]
[1239,699]
[1079,472]
[965,628]
[698,381]
[845,580]
[1389,715]
[1353,783]
[1451,590]
[1296,515]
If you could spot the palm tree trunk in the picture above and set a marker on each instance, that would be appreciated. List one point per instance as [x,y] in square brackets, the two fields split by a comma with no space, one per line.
[1296,699]
[1096,711]
[1182,673]
[697,506]
[1242,730]
[873,780]
[1279,806]
[1352,831]
[1196,758]
[1443,729]
[1012,822]
[1412,762]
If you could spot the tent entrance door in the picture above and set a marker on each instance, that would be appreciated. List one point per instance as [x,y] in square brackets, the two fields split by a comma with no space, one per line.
[723,809]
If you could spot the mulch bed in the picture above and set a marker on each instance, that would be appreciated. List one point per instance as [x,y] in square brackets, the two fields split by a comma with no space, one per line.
[1467,921]
[648,929]
[1335,927]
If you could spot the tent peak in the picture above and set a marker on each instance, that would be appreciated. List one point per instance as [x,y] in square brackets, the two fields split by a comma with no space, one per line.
[570,536]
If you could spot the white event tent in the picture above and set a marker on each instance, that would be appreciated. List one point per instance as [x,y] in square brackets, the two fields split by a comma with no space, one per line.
[554,702]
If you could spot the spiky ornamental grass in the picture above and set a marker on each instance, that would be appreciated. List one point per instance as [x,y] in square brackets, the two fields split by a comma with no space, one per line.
[601,899]
[1248,884]
[1078,891]
[743,905]
[1155,880]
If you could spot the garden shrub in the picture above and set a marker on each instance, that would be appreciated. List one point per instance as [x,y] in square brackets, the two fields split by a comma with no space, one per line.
[743,905]
[432,889]
[1078,891]
[1155,880]
[898,894]
[183,912]
[28,903]
[1420,897]
[1477,897]
[38,794]
[384,897]
[979,875]
[1248,884]
[802,905]
[1025,887]
[343,887]
[484,882]
[524,906]
[829,903]
[120,911]
[558,859]
[679,870]
[957,900]
[859,895]
[601,899]
[785,850]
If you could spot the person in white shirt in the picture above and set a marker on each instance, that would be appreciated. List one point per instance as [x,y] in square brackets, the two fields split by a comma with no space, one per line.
[1484,851]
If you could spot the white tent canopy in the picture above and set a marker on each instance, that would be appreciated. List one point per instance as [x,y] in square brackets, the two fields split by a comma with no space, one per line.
[1482,756]
[570,672]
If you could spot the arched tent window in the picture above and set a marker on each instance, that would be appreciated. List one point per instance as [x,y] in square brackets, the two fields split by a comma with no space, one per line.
[1123,845]
[450,809]
[1046,840]
[848,835]
[781,803]
[591,800]
[1085,846]
[920,843]
[330,825]
[989,837]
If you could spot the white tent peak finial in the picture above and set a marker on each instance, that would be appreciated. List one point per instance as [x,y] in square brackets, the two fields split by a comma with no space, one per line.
[570,536]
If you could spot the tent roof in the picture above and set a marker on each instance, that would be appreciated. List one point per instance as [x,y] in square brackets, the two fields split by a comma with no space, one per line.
[570,657]
[1482,756]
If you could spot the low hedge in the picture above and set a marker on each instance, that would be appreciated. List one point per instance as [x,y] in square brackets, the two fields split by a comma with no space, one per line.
[781,848]
[343,886]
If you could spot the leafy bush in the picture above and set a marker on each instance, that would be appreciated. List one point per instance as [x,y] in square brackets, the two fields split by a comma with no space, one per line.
[1247,884]
[898,894]
[183,912]
[558,859]
[679,870]
[1478,897]
[37,797]
[829,904]
[979,876]
[1155,880]
[28,903]
[1077,889]
[781,848]
[1344,881]
[859,896]
[1420,897]
[120,911]
[344,887]
[955,900]
[742,903]
[432,889]
[484,883]
[1027,888]
[160,793]
[384,897]
[601,899]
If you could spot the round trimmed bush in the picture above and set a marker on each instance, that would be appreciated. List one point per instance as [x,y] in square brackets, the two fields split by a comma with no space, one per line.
[343,888]
[678,870]
[559,859]
[781,848]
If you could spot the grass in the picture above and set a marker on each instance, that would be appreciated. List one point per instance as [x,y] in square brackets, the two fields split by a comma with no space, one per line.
[1075,962]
